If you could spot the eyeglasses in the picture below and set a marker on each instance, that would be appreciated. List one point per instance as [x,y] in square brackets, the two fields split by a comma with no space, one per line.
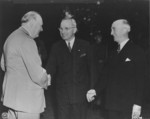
[65,28]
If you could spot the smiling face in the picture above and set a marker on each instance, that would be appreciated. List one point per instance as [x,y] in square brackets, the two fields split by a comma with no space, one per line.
[119,30]
[67,29]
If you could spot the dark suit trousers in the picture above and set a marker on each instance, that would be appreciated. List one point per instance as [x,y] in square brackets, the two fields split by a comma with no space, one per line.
[72,111]
[111,114]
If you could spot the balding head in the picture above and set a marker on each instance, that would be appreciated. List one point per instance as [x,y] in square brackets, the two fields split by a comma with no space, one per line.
[120,29]
[32,22]
[32,15]
[121,23]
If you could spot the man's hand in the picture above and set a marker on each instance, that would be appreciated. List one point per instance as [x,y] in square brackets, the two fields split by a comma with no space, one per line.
[49,79]
[46,80]
[90,95]
[136,111]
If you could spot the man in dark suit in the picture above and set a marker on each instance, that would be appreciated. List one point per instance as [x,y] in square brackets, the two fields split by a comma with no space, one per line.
[123,77]
[69,65]
[146,100]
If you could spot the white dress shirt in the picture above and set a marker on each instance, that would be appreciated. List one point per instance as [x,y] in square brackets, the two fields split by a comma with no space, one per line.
[122,44]
[71,42]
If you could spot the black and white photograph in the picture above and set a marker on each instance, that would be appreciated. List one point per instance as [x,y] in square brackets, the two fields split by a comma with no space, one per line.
[74,59]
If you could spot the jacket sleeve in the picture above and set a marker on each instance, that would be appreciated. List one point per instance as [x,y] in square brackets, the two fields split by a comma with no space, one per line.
[100,85]
[91,66]
[2,62]
[140,76]
[51,66]
[32,62]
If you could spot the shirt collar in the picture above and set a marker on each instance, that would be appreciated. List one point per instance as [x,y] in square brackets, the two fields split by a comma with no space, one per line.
[122,44]
[71,42]
[26,31]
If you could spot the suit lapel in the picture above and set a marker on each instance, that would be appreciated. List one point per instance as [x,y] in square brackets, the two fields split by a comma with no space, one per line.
[125,51]
[118,57]
[64,47]
[76,50]
[75,45]
[126,47]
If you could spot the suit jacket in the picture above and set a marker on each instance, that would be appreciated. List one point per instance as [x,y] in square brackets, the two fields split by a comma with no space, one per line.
[146,100]
[22,86]
[70,70]
[124,78]
[99,54]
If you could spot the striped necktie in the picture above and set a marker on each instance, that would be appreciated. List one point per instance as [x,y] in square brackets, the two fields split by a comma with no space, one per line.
[69,46]
[118,50]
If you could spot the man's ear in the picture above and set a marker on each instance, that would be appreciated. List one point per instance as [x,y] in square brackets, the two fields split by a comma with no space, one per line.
[31,22]
[75,30]
[126,30]
[129,29]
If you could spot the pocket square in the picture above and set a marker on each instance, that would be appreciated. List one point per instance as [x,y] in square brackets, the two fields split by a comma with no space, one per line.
[127,60]
[82,55]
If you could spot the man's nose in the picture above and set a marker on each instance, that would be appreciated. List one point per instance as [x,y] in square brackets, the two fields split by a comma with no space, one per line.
[111,33]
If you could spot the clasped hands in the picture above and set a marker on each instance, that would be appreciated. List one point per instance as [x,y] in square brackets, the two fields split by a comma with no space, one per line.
[48,82]
[46,79]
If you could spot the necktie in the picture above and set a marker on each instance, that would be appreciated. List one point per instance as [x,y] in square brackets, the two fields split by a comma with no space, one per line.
[118,50]
[69,46]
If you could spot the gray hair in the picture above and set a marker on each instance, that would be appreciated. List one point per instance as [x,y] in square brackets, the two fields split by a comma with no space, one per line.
[73,22]
[126,24]
[29,15]
[69,16]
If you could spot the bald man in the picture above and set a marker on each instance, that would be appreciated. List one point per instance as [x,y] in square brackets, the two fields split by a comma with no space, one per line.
[70,67]
[123,77]
[25,79]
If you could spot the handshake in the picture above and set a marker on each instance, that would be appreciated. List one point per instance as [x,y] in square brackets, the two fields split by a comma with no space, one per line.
[46,79]
[91,95]
[49,79]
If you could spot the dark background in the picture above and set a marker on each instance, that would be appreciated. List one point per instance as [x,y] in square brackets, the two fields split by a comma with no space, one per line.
[92,16]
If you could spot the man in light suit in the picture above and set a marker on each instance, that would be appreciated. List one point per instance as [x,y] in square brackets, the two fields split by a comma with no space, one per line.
[70,68]
[123,77]
[25,79]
